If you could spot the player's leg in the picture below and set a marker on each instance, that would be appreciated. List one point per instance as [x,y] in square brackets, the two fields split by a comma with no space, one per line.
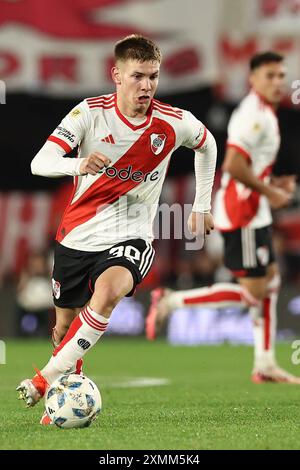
[264,328]
[64,318]
[219,295]
[114,274]
[121,268]
[256,270]
[70,290]
[257,286]
[86,329]
[264,319]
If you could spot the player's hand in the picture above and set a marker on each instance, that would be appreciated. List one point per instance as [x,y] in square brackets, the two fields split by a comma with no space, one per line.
[286,182]
[278,197]
[209,224]
[93,163]
[199,223]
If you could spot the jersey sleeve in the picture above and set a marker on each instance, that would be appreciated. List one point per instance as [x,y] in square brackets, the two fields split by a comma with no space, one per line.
[245,130]
[72,128]
[194,132]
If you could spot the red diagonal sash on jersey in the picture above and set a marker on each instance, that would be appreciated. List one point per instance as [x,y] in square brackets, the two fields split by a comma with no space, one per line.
[107,190]
[241,212]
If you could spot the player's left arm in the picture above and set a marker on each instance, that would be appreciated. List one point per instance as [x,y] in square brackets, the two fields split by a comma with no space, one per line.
[203,143]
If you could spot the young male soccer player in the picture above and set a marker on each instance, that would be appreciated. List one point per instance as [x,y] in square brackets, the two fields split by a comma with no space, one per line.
[243,215]
[103,247]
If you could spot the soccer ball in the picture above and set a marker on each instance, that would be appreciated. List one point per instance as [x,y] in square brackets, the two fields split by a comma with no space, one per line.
[73,401]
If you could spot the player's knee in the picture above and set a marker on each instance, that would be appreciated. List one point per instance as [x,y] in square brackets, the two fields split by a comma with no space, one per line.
[274,283]
[107,296]
[258,291]
[273,278]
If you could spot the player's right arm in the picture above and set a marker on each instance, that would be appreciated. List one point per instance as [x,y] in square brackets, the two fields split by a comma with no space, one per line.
[246,130]
[238,167]
[50,160]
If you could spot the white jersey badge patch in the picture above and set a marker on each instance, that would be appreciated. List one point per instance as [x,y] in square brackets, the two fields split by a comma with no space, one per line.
[157,143]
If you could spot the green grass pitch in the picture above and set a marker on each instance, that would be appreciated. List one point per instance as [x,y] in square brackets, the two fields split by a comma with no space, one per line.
[209,402]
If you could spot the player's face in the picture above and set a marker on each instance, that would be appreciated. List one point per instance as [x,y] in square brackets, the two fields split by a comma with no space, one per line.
[269,80]
[136,84]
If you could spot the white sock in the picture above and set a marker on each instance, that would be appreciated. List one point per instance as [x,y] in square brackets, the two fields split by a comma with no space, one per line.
[219,295]
[264,328]
[85,330]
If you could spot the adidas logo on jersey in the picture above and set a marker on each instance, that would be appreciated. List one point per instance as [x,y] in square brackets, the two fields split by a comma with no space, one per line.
[124,174]
[108,139]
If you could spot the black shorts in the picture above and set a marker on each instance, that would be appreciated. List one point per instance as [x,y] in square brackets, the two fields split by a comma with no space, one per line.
[248,252]
[75,272]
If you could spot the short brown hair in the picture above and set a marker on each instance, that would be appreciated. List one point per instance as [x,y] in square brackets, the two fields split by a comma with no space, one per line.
[137,47]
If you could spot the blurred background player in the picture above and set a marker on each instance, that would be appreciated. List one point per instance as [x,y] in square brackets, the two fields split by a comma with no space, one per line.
[126,140]
[243,215]
[34,302]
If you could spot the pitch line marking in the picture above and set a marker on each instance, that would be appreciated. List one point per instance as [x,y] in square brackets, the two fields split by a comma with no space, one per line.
[132,382]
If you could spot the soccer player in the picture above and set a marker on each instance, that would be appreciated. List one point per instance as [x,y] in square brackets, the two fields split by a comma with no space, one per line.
[103,244]
[242,213]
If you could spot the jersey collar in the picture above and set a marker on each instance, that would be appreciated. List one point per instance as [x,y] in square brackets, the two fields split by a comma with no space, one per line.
[265,102]
[128,123]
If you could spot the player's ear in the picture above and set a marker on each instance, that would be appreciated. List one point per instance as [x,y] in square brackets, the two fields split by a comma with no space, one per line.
[115,73]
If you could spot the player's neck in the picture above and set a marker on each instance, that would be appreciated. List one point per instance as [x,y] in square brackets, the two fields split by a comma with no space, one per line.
[274,106]
[130,112]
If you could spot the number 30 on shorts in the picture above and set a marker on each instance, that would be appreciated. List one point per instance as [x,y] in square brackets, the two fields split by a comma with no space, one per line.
[129,252]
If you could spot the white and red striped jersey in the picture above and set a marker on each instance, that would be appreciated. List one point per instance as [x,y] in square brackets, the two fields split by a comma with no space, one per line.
[253,130]
[99,214]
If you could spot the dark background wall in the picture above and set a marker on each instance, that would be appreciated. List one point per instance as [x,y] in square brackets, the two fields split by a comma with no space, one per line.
[27,120]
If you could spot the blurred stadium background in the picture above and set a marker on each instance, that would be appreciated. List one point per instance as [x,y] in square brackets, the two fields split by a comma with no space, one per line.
[53,53]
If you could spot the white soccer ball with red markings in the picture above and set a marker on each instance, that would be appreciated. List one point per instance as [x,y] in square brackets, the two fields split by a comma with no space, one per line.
[73,401]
